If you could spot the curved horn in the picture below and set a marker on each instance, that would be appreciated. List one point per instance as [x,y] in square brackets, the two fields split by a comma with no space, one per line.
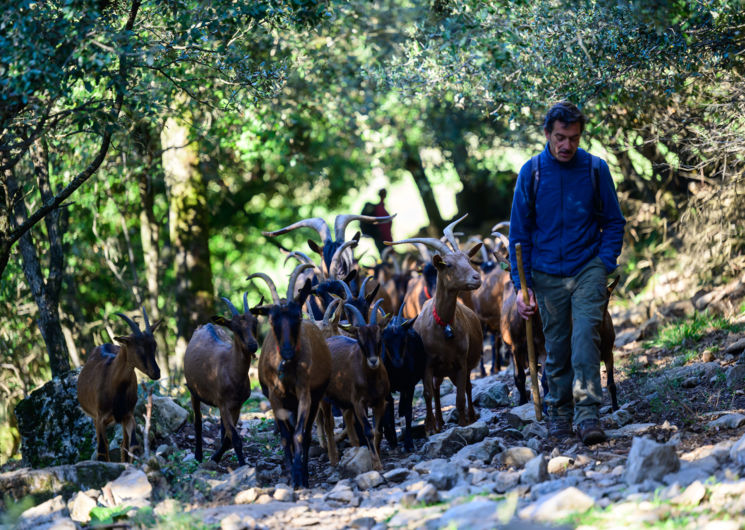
[245,302]
[500,225]
[233,310]
[316,223]
[330,310]
[342,220]
[147,322]
[374,314]
[294,276]
[131,323]
[356,313]
[502,238]
[428,241]
[301,257]
[269,282]
[448,231]
[337,255]
[362,287]
[401,310]
[347,290]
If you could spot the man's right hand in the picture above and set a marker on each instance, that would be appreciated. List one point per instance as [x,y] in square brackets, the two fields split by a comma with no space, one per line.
[526,310]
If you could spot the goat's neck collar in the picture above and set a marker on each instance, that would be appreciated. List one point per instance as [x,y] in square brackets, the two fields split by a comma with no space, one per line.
[426,291]
[440,321]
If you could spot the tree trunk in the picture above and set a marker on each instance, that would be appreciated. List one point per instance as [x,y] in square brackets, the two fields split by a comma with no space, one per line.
[189,234]
[413,165]
[147,144]
[46,294]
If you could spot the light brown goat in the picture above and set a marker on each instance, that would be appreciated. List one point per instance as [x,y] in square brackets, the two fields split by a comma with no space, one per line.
[294,370]
[107,384]
[216,370]
[451,332]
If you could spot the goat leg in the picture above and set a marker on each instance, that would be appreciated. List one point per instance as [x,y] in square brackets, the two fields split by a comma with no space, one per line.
[439,422]
[308,433]
[428,383]
[101,441]
[389,421]
[360,413]
[224,443]
[472,415]
[304,410]
[611,383]
[379,410]
[460,396]
[519,374]
[327,419]
[196,406]
[405,409]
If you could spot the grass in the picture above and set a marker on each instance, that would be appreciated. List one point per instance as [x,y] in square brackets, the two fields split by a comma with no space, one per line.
[688,331]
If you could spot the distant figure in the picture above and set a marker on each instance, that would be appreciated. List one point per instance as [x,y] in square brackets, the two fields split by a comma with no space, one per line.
[379,232]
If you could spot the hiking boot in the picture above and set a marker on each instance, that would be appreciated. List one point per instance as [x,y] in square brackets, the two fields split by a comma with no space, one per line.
[559,427]
[590,433]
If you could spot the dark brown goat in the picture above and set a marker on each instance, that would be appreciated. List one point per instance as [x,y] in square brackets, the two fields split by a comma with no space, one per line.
[107,384]
[216,370]
[294,370]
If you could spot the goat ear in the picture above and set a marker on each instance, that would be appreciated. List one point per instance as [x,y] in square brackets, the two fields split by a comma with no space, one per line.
[220,321]
[155,326]
[314,247]
[124,339]
[356,236]
[385,320]
[304,292]
[438,262]
[349,278]
[259,310]
[409,323]
[474,250]
[370,297]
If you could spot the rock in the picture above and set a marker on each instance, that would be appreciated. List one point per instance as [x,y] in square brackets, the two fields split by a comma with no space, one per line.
[517,457]
[535,430]
[494,396]
[621,417]
[363,522]
[167,415]
[247,496]
[736,347]
[649,328]
[42,484]
[626,337]
[443,476]
[692,471]
[356,460]
[707,356]
[451,441]
[559,465]
[428,495]
[54,429]
[649,460]
[535,471]
[558,505]
[284,493]
[737,452]
[43,514]
[80,506]
[504,481]
[131,487]
[692,496]
[343,493]
[728,421]
[479,513]
[519,416]
[482,452]
[736,376]
[368,480]
[235,521]
[241,478]
[396,475]
[630,430]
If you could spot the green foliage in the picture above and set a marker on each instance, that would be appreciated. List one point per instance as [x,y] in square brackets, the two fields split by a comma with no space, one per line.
[689,331]
[13,509]
[101,515]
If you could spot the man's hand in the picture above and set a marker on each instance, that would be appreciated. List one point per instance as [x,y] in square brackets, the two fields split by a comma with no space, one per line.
[526,311]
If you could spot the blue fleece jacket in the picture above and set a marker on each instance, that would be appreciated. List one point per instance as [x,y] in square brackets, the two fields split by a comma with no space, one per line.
[565,233]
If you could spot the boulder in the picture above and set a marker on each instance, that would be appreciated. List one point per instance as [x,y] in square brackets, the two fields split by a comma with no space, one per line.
[649,460]
[493,396]
[558,505]
[517,457]
[356,460]
[451,441]
[54,429]
[536,471]
[167,415]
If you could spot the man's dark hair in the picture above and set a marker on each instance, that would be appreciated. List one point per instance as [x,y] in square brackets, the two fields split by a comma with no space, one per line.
[566,113]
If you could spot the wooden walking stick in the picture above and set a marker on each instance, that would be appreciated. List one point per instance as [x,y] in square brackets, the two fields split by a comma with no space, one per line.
[529,336]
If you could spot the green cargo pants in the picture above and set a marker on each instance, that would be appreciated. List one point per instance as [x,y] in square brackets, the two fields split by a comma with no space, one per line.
[572,309]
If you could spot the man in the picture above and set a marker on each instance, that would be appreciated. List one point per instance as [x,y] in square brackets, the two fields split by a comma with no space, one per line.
[566,215]
[384,229]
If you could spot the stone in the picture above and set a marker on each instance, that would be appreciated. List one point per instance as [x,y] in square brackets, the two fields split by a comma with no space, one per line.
[131,487]
[631,429]
[535,430]
[43,514]
[536,471]
[356,460]
[284,493]
[342,493]
[736,376]
[504,481]
[451,441]
[479,513]
[363,522]
[428,495]
[80,506]
[247,496]
[368,480]
[241,478]
[621,417]
[559,464]
[728,421]
[43,484]
[557,505]
[235,521]
[690,472]
[481,452]
[494,396]
[517,457]
[650,460]
[521,415]
[167,415]
[396,475]
[54,429]
[737,452]
[626,337]
[692,495]
[736,347]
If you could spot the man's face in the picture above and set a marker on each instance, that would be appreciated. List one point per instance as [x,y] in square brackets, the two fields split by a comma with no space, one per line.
[563,140]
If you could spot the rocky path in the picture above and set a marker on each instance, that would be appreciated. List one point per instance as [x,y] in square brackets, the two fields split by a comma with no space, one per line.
[674,458]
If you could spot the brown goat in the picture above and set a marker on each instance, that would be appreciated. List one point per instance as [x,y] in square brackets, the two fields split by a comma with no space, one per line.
[451,332]
[358,381]
[294,370]
[107,384]
[216,370]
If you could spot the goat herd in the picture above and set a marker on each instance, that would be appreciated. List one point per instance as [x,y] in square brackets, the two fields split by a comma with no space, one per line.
[346,350]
